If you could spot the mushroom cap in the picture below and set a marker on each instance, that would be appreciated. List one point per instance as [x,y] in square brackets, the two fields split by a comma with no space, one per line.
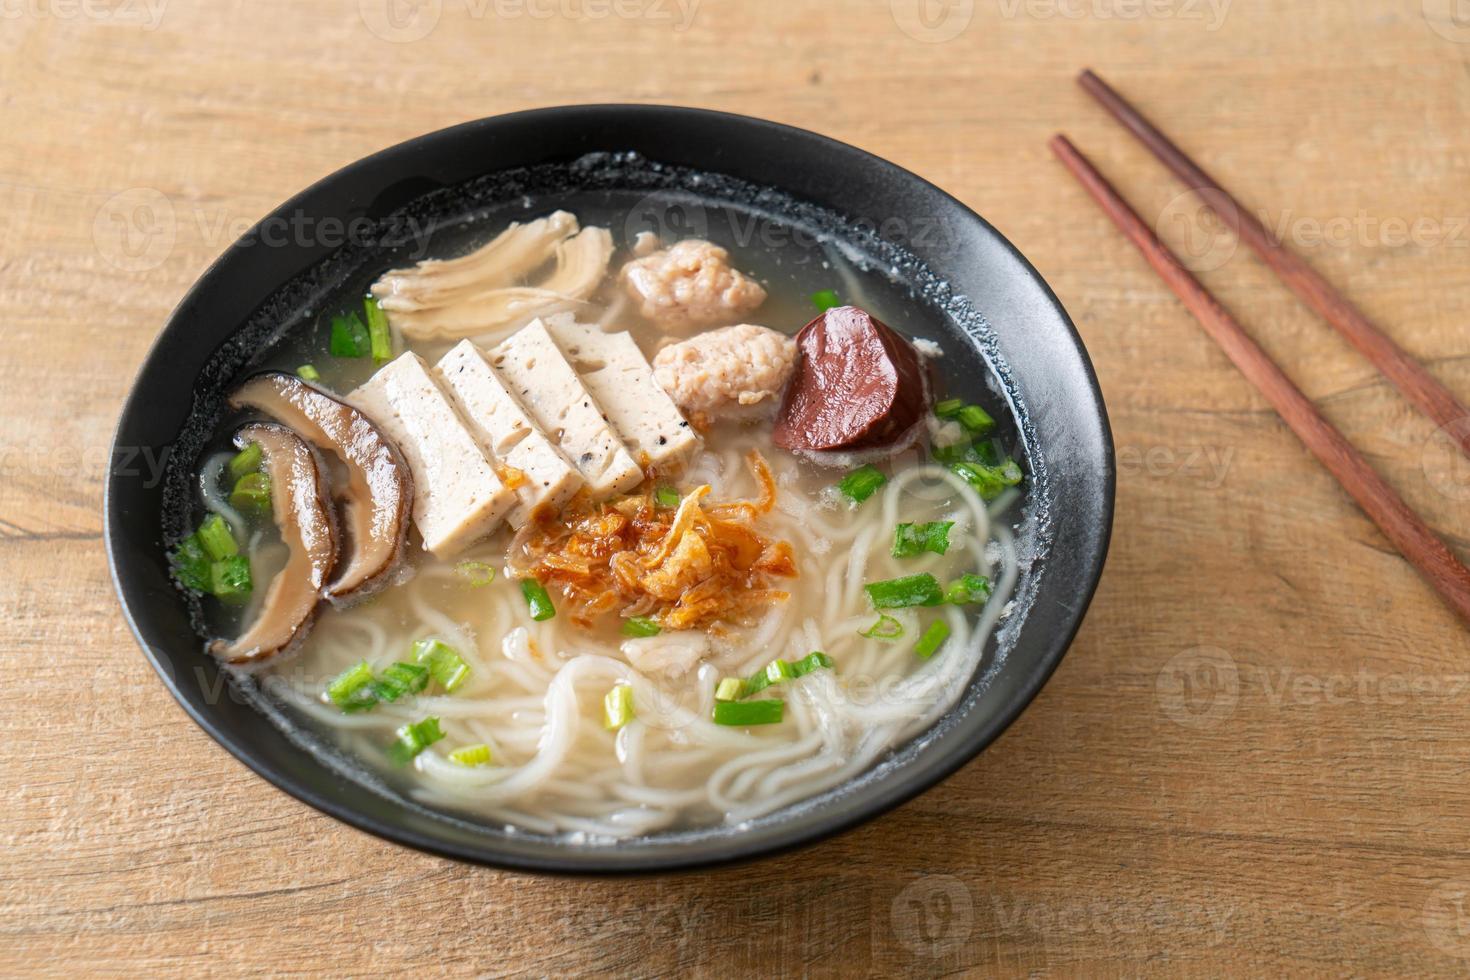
[376,499]
[302,509]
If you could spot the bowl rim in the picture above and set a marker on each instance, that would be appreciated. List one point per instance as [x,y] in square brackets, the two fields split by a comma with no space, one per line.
[562,861]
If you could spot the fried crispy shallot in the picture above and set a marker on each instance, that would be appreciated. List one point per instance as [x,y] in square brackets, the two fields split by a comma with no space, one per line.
[694,566]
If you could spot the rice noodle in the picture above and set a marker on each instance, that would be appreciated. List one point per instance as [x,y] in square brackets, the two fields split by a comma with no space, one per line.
[536,689]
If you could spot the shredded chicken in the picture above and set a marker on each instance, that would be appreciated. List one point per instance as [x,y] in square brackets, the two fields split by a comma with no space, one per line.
[690,567]
[734,372]
[691,284]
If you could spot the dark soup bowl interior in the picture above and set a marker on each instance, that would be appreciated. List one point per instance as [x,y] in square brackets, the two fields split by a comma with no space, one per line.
[676,172]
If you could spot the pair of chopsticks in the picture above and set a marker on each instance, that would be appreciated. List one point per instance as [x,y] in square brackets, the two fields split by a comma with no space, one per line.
[1410,535]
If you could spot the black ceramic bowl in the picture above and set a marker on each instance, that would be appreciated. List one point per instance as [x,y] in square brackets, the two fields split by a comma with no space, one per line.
[980,300]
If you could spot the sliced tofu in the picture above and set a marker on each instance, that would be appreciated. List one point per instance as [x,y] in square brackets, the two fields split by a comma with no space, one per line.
[457,497]
[508,435]
[537,374]
[620,378]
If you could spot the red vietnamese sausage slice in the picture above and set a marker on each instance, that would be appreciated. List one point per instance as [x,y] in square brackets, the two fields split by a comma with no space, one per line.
[858,385]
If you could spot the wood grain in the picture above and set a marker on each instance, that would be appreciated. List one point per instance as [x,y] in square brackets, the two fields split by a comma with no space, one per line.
[1408,375]
[1253,759]
[1419,545]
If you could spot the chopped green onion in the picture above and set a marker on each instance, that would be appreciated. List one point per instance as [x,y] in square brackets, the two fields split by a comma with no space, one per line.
[413,739]
[252,493]
[641,626]
[988,481]
[217,538]
[949,408]
[379,339]
[471,755]
[229,578]
[772,673]
[954,452]
[985,453]
[245,461]
[308,372]
[400,679]
[617,707]
[886,628]
[932,639]
[666,497]
[349,337]
[911,590]
[780,670]
[537,600]
[477,573]
[191,565]
[967,588]
[813,661]
[351,690]
[861,483]
[729,689]
[975,419]
[988,452]
[742,714]
[443,662]
[914,539]
[825,299]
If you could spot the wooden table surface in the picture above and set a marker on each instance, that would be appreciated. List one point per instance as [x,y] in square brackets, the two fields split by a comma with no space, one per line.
[1253,759]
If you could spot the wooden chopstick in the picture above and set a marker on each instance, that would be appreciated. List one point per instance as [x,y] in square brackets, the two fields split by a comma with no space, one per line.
[1410,535]
[1407,374]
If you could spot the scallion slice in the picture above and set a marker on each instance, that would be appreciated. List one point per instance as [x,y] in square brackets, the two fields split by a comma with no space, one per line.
[861,483]
[245,461]
[349,337]
[816,660]
[742,714]
[772,673]
[976,419]
[986,480]
[191,565]
[471,755]
[380,341]
[825,299]
[641,626]
[217,538]
[666,497]
[229,579]
[308,372]
[729,689]
[967,588]
[932,639]
[911,590]
[617,707]
[781,670]
[949,408]
[414,738]
[443,662]
[399,679]
[351,690]
[915,539]
[537,600]
[252,493]
[476,573]
[886,628]
[955,452]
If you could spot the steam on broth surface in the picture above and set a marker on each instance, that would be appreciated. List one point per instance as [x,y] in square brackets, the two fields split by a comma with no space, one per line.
[644,703]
